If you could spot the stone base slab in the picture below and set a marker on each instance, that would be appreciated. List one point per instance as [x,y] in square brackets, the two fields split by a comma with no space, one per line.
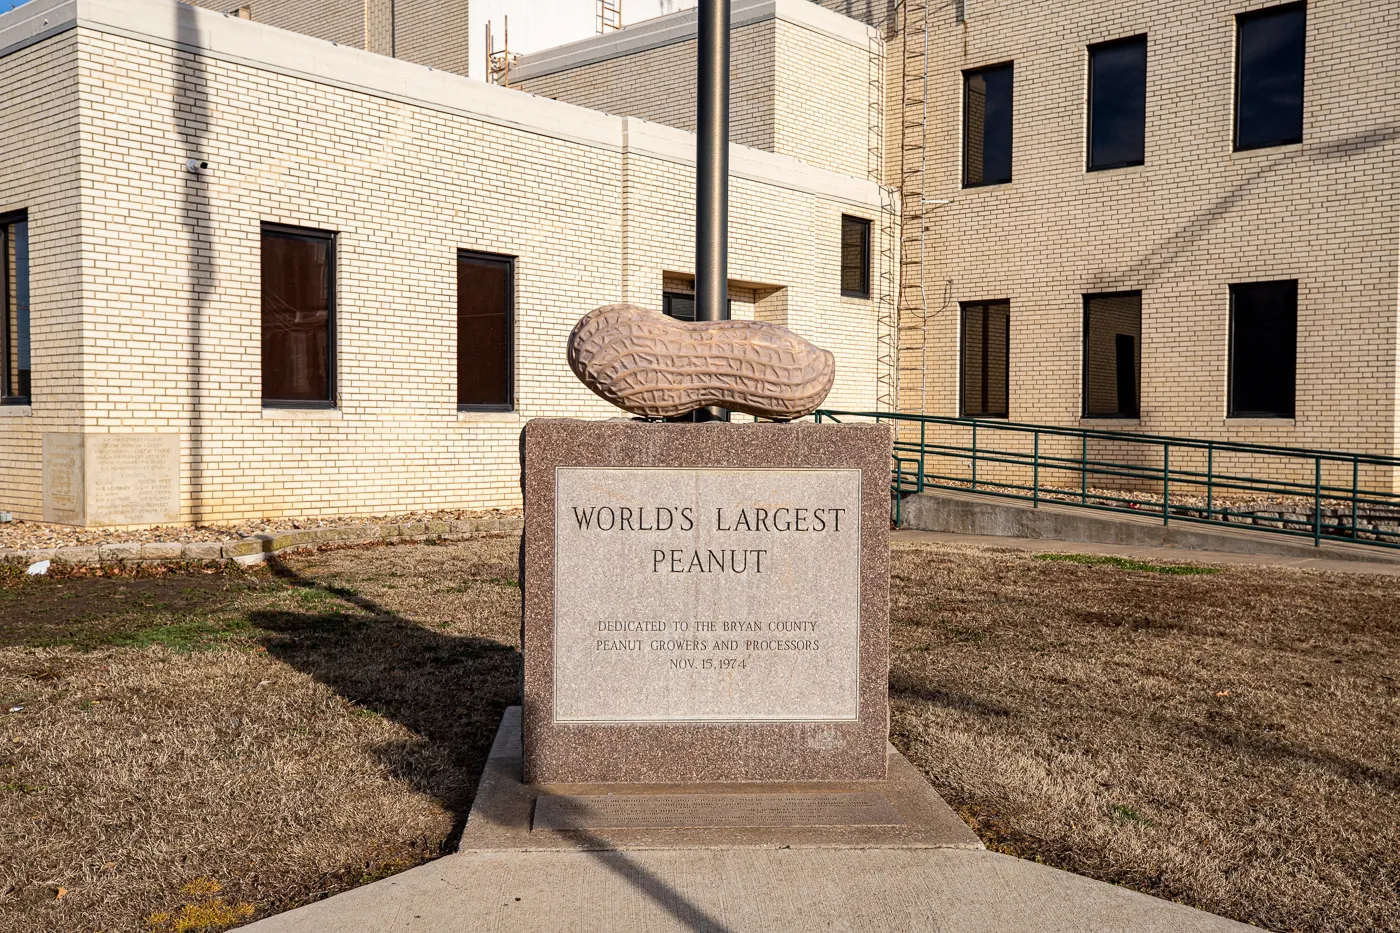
[902,811]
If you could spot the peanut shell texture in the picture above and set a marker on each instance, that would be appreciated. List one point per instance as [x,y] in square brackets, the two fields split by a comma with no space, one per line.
[657,367]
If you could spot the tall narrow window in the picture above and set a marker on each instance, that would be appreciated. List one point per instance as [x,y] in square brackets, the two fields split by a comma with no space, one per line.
[1263,349]
[986,359]
[1117,103]
[14,304]
[1269,50]
[987,126]
[298,317]
[1112,355]
[485,315]
[855,257]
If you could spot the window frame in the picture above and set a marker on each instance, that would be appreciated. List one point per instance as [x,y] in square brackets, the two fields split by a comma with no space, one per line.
[331,237]
[509,262]
[972,73]
[7,220]
[963,308]
[868,227]
[1089,165]
[1240,20]
[1230,412]
[1084,359]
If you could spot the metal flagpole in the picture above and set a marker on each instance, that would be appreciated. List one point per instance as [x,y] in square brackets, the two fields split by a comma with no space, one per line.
[712,173]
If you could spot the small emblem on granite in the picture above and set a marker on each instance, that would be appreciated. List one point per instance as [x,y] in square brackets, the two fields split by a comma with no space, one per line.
[657,367]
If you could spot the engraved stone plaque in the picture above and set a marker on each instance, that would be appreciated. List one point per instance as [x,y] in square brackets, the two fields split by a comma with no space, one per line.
[707,595]
[133,479]
[699,811]
[63,478]
[111,479]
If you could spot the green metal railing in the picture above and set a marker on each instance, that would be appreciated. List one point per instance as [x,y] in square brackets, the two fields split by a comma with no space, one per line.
[1324,495]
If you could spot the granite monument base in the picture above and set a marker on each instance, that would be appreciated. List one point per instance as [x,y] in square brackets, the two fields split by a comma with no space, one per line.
[900,811]
[705,603]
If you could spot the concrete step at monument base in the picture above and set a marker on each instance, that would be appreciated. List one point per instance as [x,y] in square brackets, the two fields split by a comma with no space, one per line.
[968,513]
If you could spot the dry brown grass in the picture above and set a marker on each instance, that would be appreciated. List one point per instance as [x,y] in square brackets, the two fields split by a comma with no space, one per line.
[318,726]
[1230,741]
[196,749]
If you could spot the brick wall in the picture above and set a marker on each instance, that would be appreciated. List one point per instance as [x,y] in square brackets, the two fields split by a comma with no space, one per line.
[39,163]
[794,89]
[426,32]
[1181,228]
[170,301]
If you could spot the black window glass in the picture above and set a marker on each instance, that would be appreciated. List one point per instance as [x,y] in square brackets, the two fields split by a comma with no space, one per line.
[986,356]
[678,305]
[1117,103]
[485,307]
[14,304]
[987,126]
[1269,77]
[297,308]
[1112,355]
[1263,349]
[855,257]
[681,305]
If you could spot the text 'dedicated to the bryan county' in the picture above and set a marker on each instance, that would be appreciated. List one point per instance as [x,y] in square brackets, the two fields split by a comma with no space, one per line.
[706,595]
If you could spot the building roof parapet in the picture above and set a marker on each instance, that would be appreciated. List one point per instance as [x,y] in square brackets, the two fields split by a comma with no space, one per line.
[681,27]
[228,38]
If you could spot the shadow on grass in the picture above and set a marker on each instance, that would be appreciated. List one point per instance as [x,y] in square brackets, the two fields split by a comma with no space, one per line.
[450,690]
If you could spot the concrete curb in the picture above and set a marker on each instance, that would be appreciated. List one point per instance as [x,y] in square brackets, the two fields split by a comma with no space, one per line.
[257,548]
[962,513]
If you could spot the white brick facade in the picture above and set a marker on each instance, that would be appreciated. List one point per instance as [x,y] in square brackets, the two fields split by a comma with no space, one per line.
[146,307]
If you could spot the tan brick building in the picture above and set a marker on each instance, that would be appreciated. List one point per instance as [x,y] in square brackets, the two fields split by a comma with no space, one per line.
[1154,218]
[1197,216]
[166,155]
[1208,285]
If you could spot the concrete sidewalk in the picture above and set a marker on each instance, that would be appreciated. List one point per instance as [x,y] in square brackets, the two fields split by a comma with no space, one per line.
[936,877]
[742,891]
[1170,555]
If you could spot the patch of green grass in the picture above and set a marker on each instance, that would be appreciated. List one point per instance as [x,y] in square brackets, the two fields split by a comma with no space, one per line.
[1127,563]
[20,787]
[183,633]
[1129,814]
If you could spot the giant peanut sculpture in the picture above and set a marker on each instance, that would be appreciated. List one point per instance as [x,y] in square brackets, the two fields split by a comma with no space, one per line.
[651,365]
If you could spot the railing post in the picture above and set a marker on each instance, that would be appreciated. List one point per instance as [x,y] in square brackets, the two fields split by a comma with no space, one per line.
[923,447]
[1083,468]
[1166,483]
[1355,478]
[1317,501]
[1210,480]
[974,455]
[1035,474]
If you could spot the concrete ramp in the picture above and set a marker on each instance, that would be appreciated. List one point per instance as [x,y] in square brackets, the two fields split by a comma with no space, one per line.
[967,513]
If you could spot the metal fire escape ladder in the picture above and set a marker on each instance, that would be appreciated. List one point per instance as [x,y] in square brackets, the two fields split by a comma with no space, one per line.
[886,285]
[913,174]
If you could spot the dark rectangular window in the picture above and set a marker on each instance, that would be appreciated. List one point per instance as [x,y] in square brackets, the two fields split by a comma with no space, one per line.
[987,126]
[1269,49]
[1117,103]
[681,305]
[14,305]
[986,359]
[678,305]
[1263,349]
[485,314]
[855,257]
[298,317]
[1112,355]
